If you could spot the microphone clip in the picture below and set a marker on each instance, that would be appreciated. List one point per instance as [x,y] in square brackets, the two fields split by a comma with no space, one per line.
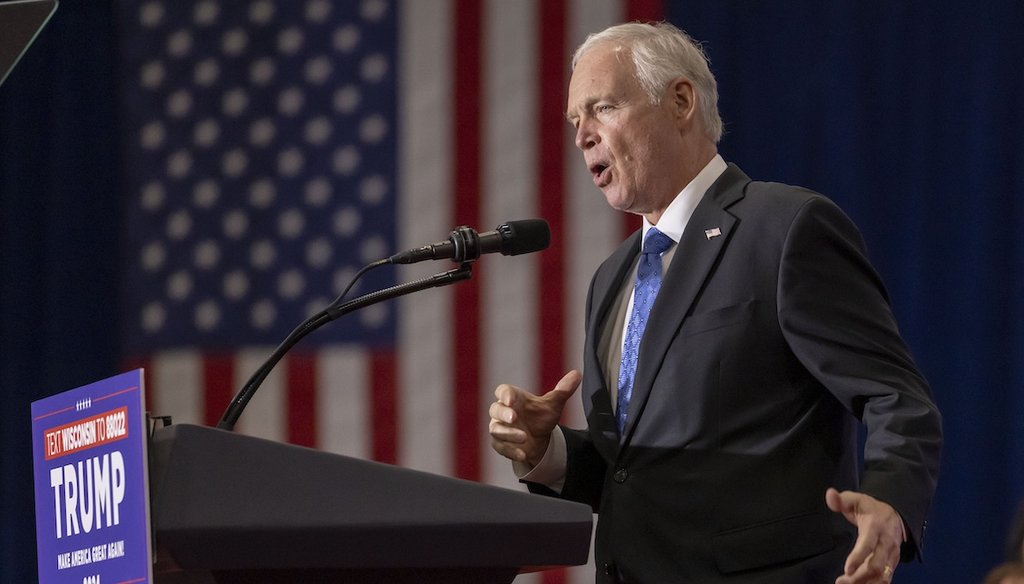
[466,244]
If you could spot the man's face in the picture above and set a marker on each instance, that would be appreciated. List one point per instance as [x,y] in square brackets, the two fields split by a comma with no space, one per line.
[631,146]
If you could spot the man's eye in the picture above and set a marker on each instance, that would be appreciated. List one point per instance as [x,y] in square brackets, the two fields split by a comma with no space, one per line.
[604,108]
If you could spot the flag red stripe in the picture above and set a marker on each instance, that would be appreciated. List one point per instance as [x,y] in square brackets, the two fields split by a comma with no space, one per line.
[468,49]
[551,189]
[551,186]
[133,363]
[300,375]
[384,385]
[644,11]
[218,385]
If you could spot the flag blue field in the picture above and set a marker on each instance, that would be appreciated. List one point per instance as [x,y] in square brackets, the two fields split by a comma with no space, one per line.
[262,147]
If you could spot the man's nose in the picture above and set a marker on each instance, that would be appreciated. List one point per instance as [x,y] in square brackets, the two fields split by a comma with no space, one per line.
[586,137]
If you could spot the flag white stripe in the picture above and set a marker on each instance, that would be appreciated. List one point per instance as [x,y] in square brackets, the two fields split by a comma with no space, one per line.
[266,414]
[176,377]
[593,231]
[509,316]
[343,414]
[425,211]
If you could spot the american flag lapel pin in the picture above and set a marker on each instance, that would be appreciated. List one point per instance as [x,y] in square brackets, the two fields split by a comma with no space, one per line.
[712,233]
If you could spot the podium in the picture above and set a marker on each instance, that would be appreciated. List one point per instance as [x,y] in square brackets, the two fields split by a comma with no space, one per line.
[233,508]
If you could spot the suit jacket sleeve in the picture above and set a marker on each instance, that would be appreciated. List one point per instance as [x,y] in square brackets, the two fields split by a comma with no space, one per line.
[584,476]
[585,467]
[835,315]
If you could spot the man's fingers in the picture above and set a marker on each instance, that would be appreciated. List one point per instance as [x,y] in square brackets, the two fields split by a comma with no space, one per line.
[833,500]
[512,396]
[845,502]
[508,451]
[506,394]
[565,387]
[521,422]
[864,574]
[569,382]
[885,558]
[879,535]
[506,433]
[502,413]
[506,440]
[872,571]
[862,552]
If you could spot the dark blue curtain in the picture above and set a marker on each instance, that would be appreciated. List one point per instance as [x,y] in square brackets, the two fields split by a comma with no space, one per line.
[908,114]
[59,225]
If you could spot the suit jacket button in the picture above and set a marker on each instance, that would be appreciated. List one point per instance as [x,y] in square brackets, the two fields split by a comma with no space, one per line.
[609,568]
[620,475]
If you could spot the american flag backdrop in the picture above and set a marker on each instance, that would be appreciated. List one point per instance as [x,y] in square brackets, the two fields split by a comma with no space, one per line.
[273,147]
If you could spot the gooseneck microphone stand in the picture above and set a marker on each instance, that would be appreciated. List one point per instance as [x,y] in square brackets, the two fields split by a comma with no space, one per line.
[336,310]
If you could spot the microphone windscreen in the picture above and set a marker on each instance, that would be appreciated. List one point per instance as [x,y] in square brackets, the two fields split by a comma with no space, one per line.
[524,236]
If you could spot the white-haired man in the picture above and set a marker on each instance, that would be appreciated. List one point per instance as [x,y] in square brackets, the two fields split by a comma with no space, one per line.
[728,358]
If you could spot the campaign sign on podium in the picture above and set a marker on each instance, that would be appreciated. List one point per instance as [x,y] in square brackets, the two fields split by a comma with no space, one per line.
[92,484]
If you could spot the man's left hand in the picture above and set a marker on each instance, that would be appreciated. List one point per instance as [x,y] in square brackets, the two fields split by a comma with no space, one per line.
[879,536]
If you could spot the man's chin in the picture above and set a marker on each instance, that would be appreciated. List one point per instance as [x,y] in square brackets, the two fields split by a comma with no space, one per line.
[616,200]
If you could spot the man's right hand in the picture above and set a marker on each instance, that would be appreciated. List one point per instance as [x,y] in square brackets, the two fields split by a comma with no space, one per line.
[521,423]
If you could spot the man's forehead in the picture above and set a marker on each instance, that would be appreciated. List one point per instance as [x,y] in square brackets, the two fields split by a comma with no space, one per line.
[599,76]
[605,54]
[602,65]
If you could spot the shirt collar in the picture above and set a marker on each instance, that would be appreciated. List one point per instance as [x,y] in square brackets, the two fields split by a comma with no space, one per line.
[673,221]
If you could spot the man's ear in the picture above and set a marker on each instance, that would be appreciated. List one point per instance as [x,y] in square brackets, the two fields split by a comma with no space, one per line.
[684,100]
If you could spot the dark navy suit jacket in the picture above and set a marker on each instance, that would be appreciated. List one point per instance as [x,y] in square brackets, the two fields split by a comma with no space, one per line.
[765,348]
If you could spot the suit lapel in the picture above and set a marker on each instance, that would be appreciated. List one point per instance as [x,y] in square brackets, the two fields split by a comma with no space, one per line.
[608,282]
[706,236]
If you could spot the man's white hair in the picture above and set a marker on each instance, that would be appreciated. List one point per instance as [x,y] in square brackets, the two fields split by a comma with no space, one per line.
[660,53]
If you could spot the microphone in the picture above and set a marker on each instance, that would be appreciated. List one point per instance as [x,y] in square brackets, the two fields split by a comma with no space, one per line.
[466,245]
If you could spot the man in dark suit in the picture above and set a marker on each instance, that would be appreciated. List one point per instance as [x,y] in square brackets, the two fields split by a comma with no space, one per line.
[726,365]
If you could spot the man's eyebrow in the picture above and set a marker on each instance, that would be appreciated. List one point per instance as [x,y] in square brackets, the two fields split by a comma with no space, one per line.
[588,105]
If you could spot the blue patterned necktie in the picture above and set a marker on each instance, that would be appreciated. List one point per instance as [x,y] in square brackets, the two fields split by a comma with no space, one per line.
[648,281]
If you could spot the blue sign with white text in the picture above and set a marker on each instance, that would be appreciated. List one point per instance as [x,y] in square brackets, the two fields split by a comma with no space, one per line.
[92,484]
